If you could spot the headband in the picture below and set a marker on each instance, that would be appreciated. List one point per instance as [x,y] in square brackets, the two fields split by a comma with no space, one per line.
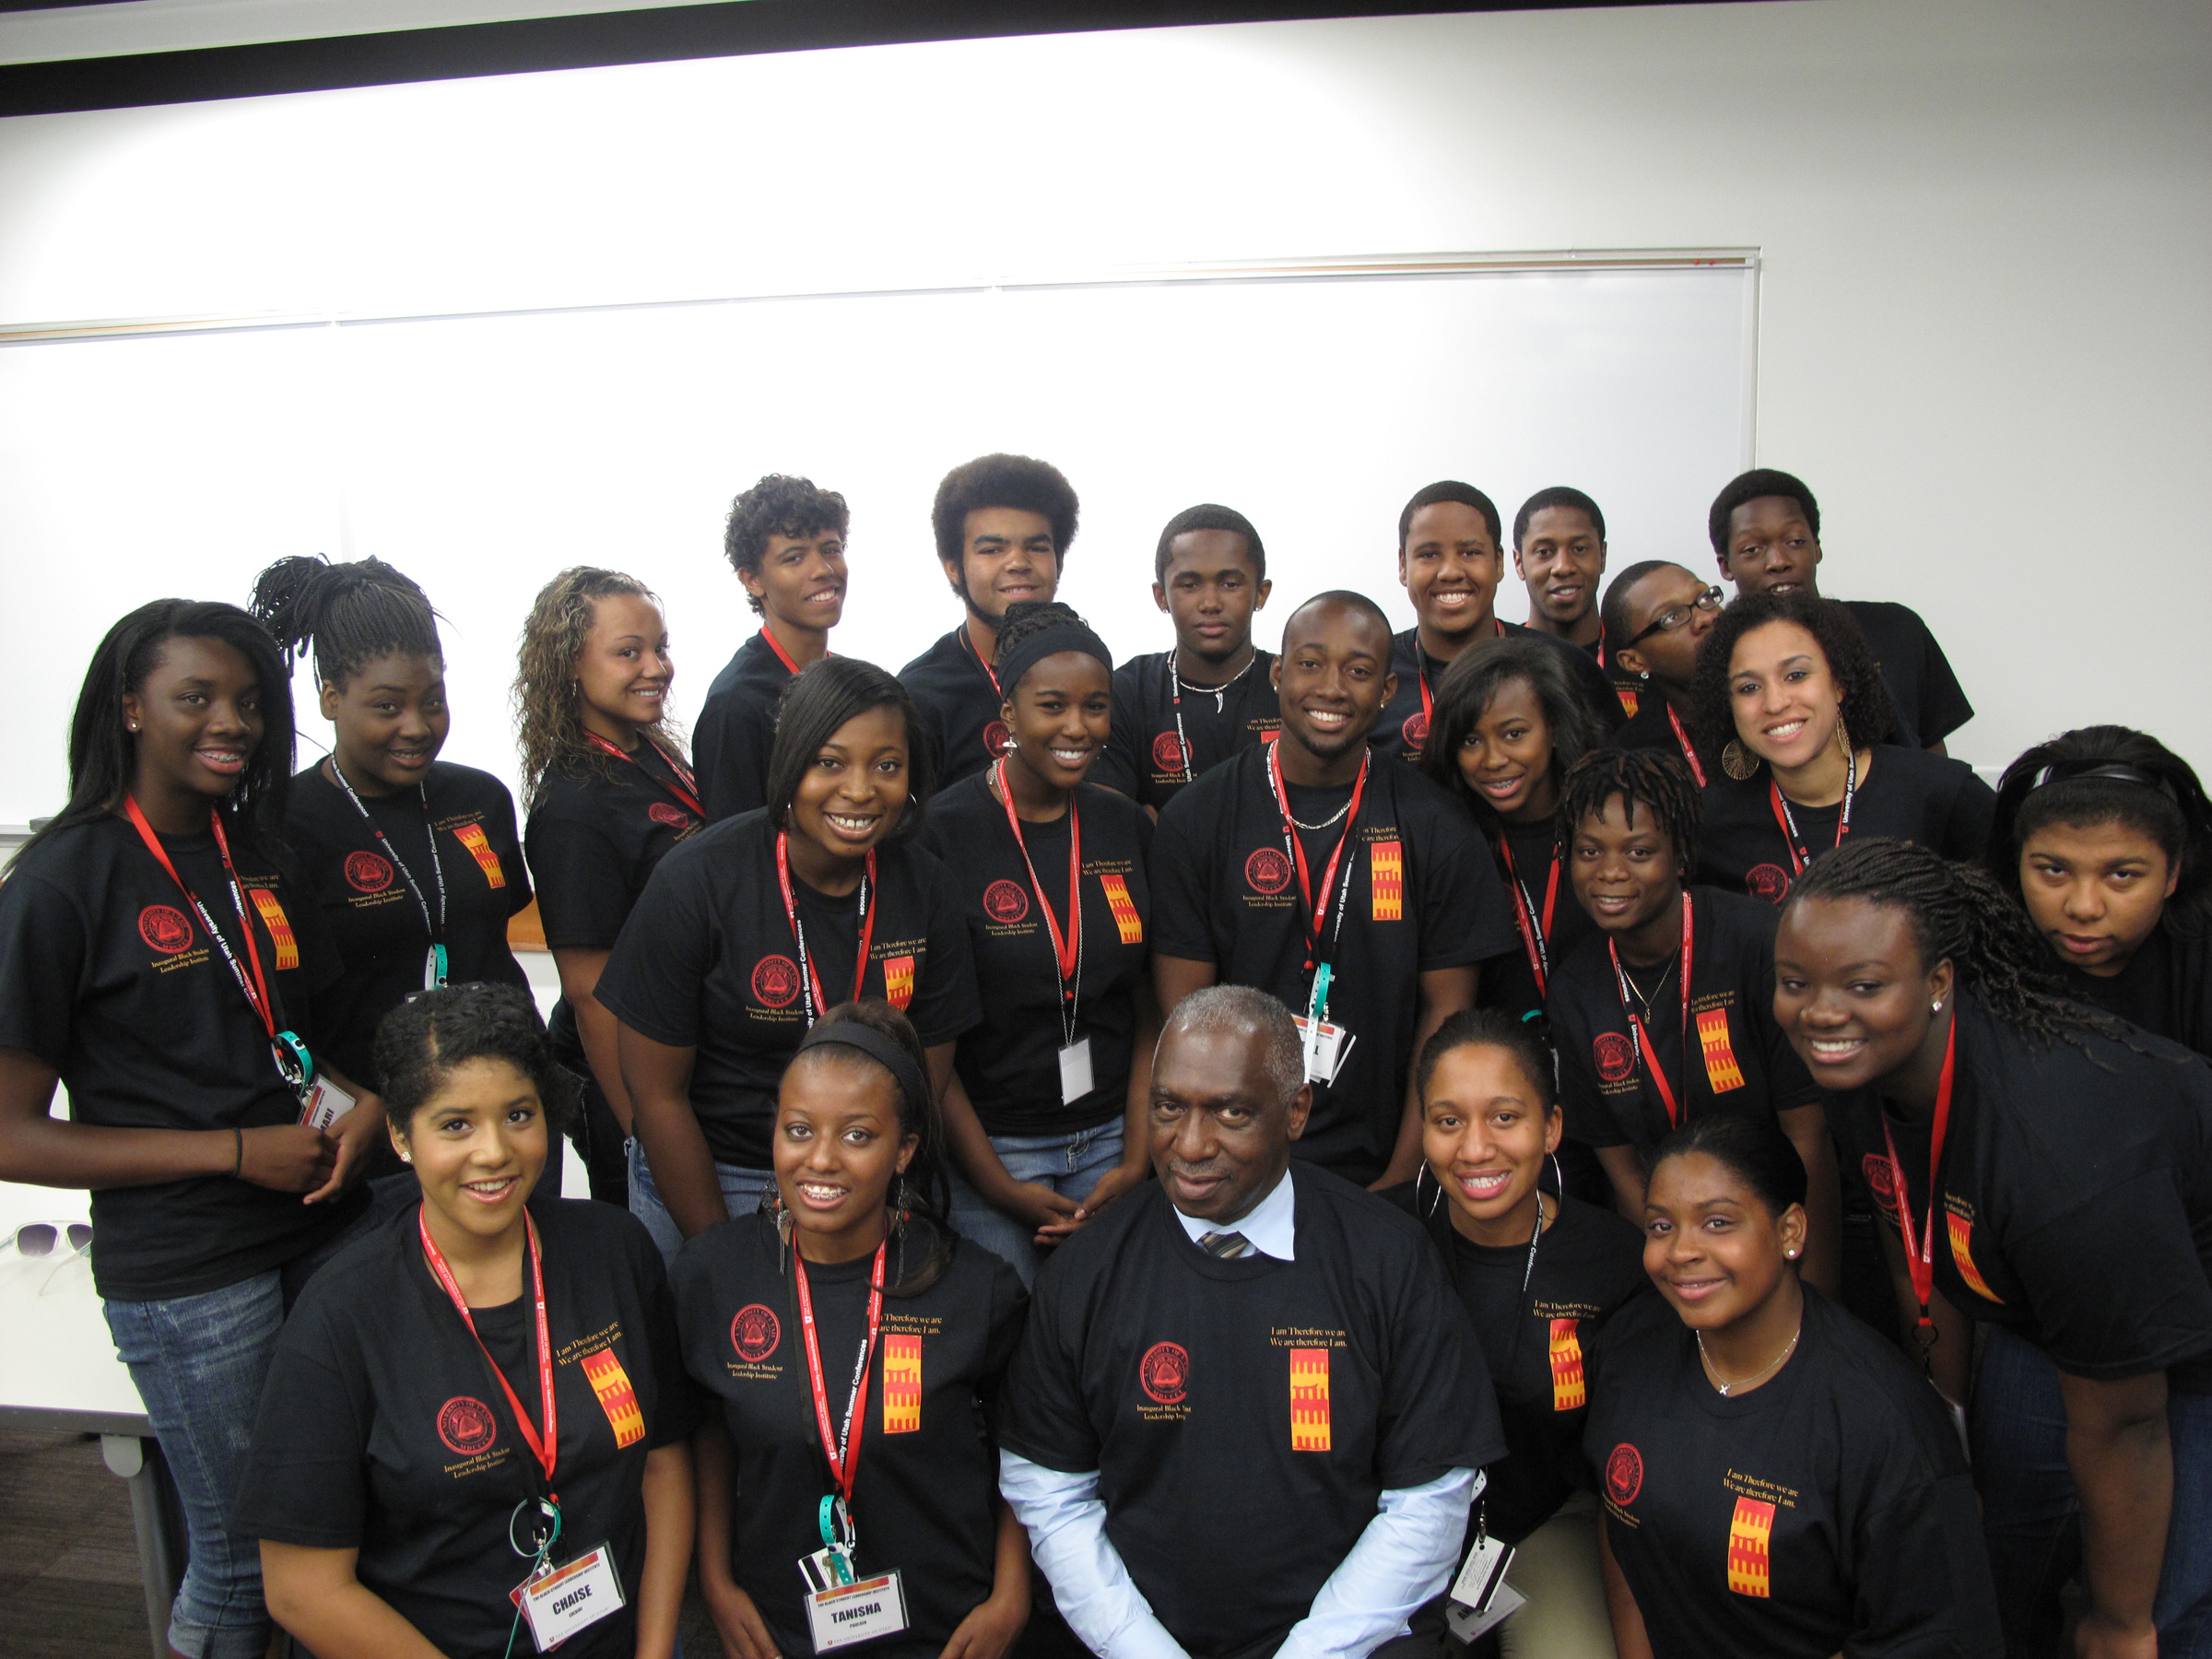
[2118,772]
[884,1051]
[1032,649]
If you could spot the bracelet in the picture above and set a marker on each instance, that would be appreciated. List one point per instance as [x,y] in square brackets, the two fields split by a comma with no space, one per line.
[238,1163]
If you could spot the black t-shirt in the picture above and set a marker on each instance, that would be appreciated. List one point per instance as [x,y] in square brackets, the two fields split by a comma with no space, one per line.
[2166,988]
[1245,1416]
[2076,1194]
[1010,1062]
[1536,1325]
[1929,701]
[1906,792]
[1828,1511]
[383,1430]
[1144,757]
[1742,1060]
[923,1498]
[736,730]
[1648,728]
[1628,690]
[957,703]
[1423,896]
[1510,983]
[708,961]
[106,974]
[372,912]
[1403,726]
[594,839]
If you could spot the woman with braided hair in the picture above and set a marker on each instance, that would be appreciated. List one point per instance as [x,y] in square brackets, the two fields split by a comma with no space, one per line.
[2106,836]
[2067,1160]
[1664,1015]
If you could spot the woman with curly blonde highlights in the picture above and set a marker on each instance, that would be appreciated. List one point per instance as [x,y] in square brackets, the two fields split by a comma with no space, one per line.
[609,794]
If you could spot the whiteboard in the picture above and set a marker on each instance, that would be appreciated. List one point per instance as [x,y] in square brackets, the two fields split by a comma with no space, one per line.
[482,453]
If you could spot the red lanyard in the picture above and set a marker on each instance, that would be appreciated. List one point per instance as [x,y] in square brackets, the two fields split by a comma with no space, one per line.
[1643,1037]
[843,1452]
[1919,1250]
[685,788]
[782,656]
[1688,753]
[990,673]
[819,1004]
[1296,849]
[1067,951]
[255,988]
[548,1448]
[1799,854]
[1533,935]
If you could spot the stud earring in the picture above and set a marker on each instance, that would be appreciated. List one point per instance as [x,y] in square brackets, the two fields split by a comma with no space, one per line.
[1791,1254]
[1934,1007]
[1645,674]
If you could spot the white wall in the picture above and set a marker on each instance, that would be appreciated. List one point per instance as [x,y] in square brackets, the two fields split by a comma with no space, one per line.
[1984,224]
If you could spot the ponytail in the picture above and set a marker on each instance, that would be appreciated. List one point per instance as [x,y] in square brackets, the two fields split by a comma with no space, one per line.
[347,615]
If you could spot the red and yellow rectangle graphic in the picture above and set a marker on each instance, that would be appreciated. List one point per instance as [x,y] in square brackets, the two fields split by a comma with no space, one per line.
[1961,1229]
[472,837]
[1568,1390]
[1629,700]
[1125,919]
[902,1382]
[617,1398]
[1721,1069]
[1309,1399]
[280,926]
[1747,1535]
[898,981]
[1386,881]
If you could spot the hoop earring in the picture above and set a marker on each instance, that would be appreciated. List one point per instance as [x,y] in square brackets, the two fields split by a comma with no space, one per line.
[1424,1170]
[1739,762]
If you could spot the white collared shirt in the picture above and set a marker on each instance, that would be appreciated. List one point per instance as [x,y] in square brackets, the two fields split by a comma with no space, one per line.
[1269,1226]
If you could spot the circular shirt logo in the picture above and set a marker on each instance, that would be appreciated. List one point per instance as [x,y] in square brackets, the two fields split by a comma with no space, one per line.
[1268,871]
[1165,1370]
[1771,882]
[755,1333]
[1415,730]
[368,872]
[661,812]
[1167,752]
[1006,903]
[1623,1474]
[467,1426]
[1881,1180]
[1614,1056]
[997,740]
[775,981]
[167,929]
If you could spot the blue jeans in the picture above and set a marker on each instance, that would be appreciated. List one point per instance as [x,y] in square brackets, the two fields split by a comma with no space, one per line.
[199,1363]
[1070,1164]
[2033,1522]
[742,1191]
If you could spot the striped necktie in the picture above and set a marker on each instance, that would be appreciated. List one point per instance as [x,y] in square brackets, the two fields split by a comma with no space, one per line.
[1229,1246]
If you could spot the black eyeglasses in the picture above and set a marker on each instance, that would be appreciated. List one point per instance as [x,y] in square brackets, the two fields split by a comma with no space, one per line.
[39,1237]
[1673,617]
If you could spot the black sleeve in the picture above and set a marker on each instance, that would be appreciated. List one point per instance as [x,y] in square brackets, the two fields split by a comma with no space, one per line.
[1588,1119]
[1465,918]
[582,898]
[1115,768]
[1973,813]
[1923,1585]
[730,760]
[676,1402]
[2116,1285]
[43,947]
[1181,917]
[519,890]
[1045,1419]
[306,1480]
[1009,1314]
[1439,1411]
[946,1004]
[1944,707]
[652,982]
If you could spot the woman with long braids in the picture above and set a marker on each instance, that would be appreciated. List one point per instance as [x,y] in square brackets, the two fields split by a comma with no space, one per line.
[1777,1483]
[825,1475]
[414,860]
[1666,1014]
[609,796]
[752,929]
[2047,1171]
[1789,698]
[2106,836]
[1511,719]
[1540,1274]
[156,959]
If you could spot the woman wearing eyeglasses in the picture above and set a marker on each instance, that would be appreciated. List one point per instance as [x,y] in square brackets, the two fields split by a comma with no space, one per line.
[1659,612]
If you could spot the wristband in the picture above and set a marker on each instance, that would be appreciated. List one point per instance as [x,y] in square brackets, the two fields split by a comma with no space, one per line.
[238,1163]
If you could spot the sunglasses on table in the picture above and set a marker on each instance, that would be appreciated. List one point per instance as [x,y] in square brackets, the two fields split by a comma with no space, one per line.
[1673,617]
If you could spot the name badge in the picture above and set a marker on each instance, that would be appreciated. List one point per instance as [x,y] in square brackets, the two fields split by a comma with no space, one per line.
[1075,1071]
[1326,1047]
[326,1103]
[1481,1599]
[859,1612]
[563,1600]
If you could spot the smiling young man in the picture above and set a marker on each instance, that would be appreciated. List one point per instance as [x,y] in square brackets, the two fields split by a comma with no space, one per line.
[1003,524]
[785,538]
[1450,565]
[1356,892]
[1247,1414]
[1177,713]
[1559,555]
[1656,613]
[1766,532]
